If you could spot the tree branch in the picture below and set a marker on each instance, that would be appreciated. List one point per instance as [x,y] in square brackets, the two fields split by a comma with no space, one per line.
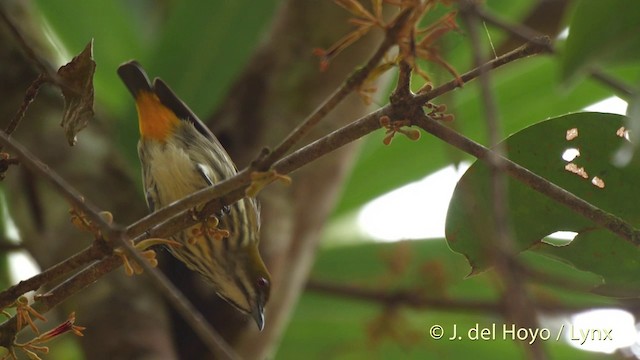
[351,83]
[416,299]
[518,306]
[29,96]
[536,46]
[529,35]
[96,251]
[214,341]
[59,184]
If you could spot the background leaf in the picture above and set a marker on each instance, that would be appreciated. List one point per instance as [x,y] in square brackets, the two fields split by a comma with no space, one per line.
[602,252]
[540,148]
[326,326]
[594,39]
[213,40]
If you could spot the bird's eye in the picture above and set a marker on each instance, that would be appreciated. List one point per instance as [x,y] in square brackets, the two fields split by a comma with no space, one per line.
[262,283]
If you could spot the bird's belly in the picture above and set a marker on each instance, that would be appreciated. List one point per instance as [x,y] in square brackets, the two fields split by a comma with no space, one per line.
[175,175]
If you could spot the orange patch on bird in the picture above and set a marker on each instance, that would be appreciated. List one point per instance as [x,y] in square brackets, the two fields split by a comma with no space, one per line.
[156,120]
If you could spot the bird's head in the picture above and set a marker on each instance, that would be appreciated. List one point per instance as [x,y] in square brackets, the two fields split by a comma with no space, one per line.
[248,284]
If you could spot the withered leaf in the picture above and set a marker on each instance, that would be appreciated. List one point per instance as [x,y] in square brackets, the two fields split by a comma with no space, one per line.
[77,89]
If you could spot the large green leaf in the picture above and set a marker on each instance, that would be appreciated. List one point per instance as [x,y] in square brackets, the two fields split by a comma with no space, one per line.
[540,147]
[332,326]
[602,33]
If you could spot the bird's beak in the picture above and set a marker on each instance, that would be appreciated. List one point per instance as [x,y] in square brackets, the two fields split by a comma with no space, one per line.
[258,314]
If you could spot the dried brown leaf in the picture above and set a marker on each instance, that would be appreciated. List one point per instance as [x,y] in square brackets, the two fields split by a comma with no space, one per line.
[77,89]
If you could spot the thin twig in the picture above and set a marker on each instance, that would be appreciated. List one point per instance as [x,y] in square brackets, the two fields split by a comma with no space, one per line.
[29,96]
[59,184]
[523,32]
[96,251]
[608,80]
[540,45]
[192,316]
[527,34]
[518,306]
[209,336]
[417,299]
[402,91]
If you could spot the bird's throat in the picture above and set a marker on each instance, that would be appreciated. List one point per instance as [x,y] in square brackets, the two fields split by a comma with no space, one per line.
[156,120]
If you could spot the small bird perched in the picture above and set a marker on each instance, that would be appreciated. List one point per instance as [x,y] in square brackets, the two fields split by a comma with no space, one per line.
[180,155]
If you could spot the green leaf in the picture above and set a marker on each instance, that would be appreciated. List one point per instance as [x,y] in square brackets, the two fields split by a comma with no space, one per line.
[533,216]
[602,252]
[601,33]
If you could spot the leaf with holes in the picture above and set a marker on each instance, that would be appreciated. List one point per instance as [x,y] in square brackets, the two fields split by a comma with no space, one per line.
[574,151]
[602,252]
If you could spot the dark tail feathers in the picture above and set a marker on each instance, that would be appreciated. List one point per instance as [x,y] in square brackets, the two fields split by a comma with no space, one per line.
[134,77]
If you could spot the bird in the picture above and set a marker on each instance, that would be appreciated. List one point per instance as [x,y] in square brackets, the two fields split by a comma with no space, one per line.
[179,155]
